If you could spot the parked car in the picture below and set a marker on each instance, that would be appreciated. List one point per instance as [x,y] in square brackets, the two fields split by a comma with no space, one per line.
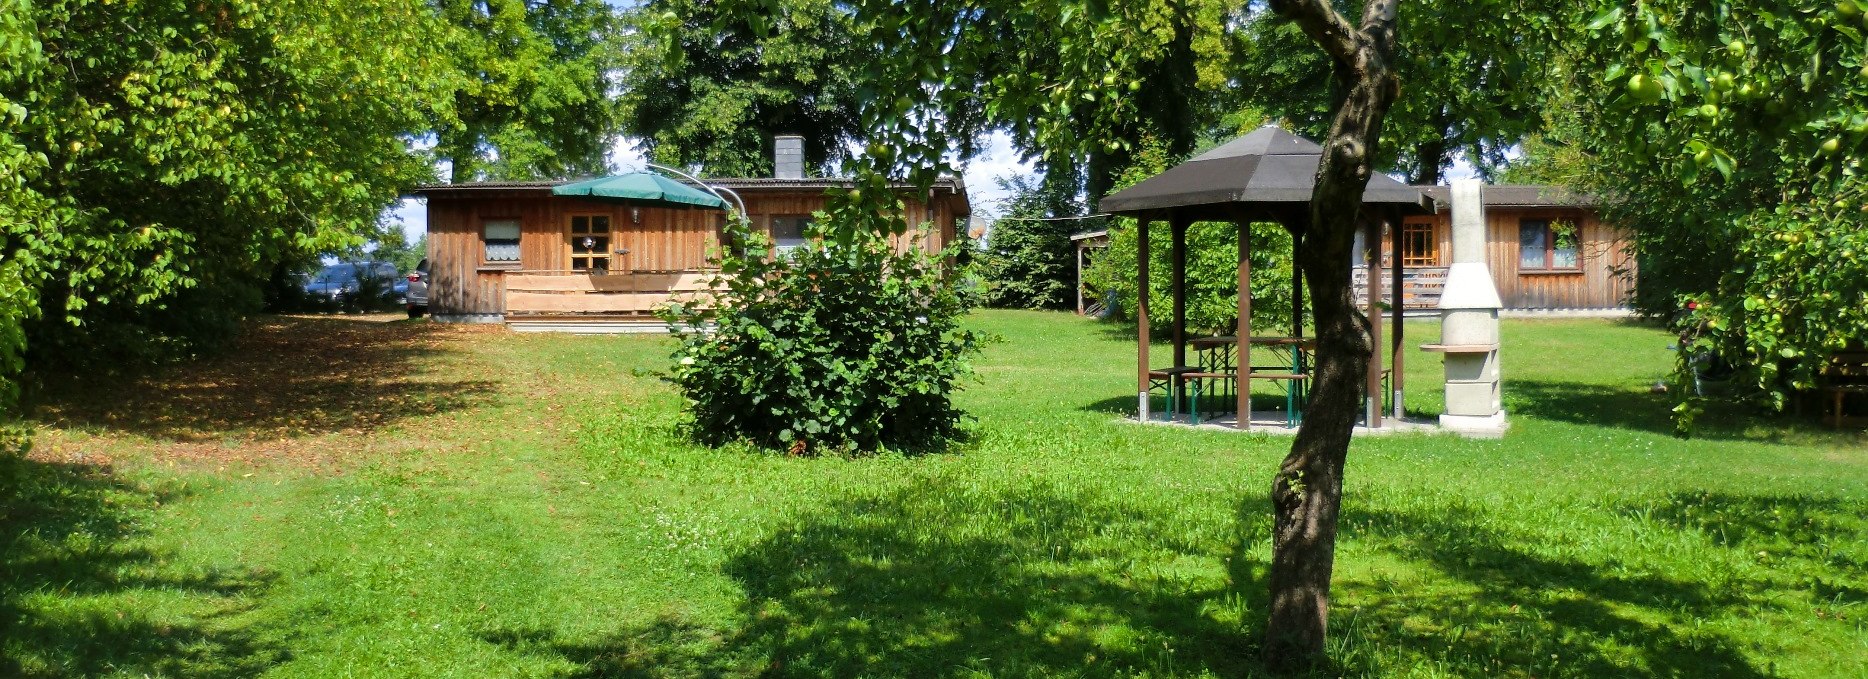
[340,283]
[417,298]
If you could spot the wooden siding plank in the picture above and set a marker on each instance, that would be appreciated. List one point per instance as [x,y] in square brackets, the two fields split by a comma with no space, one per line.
[519,302]
[631,282]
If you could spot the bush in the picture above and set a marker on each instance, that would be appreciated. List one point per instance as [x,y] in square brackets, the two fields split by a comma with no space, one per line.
[840,345]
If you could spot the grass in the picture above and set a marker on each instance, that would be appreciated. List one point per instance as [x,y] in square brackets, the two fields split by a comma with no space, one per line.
[466,502]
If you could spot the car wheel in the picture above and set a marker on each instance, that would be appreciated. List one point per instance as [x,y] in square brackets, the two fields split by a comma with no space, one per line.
[417,311]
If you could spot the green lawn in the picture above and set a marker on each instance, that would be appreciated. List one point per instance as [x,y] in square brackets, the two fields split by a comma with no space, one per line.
[343,498]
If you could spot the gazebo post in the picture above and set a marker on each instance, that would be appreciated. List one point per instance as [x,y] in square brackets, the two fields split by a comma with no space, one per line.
[1399,308]
[1141,317]
[1297,282]
[1080,246]
[1372,245]
[1243,375]
[1177,224]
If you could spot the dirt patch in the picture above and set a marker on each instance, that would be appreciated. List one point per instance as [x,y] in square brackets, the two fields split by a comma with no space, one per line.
[308,388]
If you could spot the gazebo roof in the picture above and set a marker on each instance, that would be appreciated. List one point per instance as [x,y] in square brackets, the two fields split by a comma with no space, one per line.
[1264,174]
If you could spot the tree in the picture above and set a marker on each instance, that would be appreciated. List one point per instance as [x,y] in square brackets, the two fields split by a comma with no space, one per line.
[709,83]
[1030,261]
[533,99]
[1484,83]
[163,157]
[933,61]
[1306,494]
[708,87]
[1730,136]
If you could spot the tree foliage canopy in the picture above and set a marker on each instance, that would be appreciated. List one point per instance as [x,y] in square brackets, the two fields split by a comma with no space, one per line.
[707,88]
[709,83]
[159,155]
[534,96]
[1730,136]
[1473,85]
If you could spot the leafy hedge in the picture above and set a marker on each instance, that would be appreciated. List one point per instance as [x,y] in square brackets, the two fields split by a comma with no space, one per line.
[840,345]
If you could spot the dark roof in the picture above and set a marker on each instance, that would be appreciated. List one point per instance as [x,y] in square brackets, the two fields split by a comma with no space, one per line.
[953,185]
[1266,171]
[1519,195]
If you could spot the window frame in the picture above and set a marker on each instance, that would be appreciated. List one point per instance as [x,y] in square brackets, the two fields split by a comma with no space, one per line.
[1431,239]
[1550,244]
[518,261]
[608,249]
[771,231]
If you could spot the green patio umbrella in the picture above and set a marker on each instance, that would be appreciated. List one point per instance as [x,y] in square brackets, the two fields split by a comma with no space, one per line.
[640,187]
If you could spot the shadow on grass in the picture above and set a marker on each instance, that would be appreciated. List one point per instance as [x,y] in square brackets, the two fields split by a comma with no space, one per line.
[1516,611]
[1622,407]
[76,594]
[1817,536]
[955,581]
[285,376]
[949,580]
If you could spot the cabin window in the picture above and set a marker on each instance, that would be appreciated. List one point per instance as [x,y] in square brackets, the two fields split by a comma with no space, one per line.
[1418,246]
[501,237]
[590,243]
[788,231]
[1545,245]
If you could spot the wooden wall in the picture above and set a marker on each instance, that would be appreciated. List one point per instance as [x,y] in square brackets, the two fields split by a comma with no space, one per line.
[461,282]
[664,239]
[931,236]
[1598,285]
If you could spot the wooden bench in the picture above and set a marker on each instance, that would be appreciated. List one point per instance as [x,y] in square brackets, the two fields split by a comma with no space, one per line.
[1293,392]
[1845,373]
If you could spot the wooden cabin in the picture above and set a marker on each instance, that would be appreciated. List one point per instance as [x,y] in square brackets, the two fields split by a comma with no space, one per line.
[512,252]
[1545,246]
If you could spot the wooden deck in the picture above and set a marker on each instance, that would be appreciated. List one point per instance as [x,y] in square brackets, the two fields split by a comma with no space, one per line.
[612,296]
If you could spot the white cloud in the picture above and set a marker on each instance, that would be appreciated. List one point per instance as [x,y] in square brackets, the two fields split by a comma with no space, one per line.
[626,156]
[1000,159]
[412,214]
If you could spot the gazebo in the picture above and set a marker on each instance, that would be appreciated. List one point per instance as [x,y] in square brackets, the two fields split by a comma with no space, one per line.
[1265,176]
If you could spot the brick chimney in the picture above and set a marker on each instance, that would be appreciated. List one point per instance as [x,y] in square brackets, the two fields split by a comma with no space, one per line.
[788,156]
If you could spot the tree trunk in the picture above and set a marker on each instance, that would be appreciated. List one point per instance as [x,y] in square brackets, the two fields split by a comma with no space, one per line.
[1306,495]
[1430,157]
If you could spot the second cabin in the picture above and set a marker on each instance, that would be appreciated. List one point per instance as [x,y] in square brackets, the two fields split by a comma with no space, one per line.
[1546,247]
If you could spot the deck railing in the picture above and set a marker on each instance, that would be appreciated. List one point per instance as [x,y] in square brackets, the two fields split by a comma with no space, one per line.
[1420,286]
[632,293]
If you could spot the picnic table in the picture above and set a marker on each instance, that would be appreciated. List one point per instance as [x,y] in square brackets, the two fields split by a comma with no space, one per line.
[1217,356]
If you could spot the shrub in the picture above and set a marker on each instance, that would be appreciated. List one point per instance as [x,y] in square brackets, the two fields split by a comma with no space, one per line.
[842,344]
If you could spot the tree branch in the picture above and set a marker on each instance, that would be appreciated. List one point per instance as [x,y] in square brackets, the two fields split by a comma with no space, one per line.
[1326,27]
